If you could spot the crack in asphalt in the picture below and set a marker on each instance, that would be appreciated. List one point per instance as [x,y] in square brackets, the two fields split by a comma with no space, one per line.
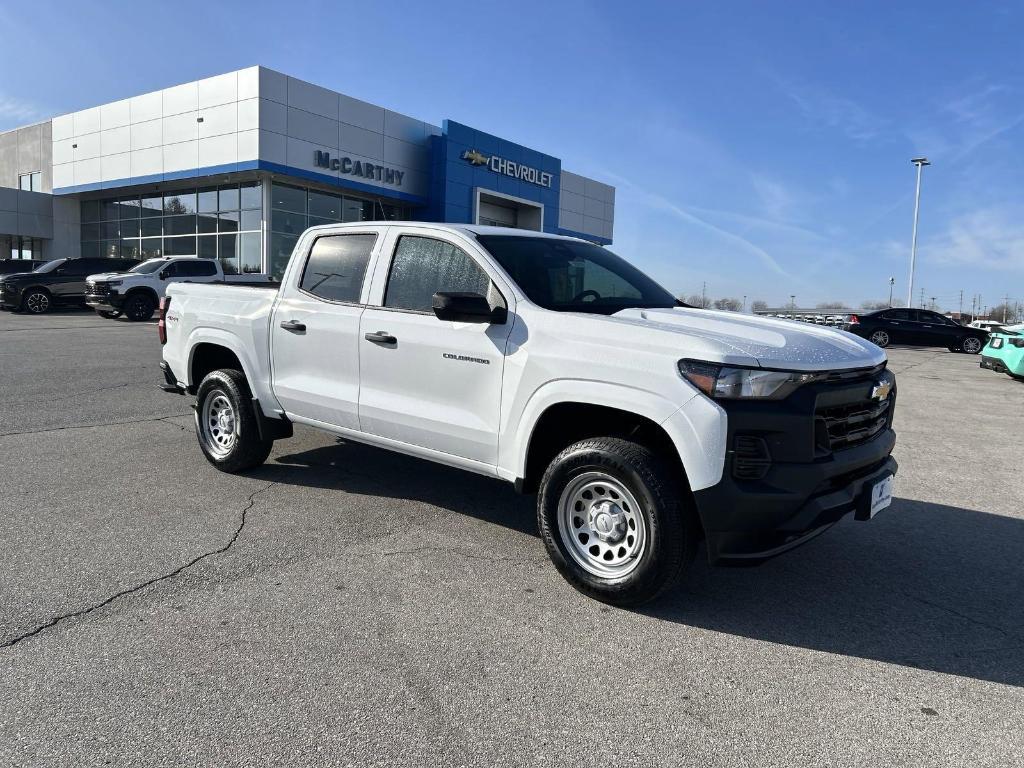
[95,426]
[452,550]
[149,582]
[964,616]
[901,371]
[74,394]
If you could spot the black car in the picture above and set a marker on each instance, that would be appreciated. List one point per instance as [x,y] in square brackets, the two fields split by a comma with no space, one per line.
[917,327]
[61,281]
[12,266]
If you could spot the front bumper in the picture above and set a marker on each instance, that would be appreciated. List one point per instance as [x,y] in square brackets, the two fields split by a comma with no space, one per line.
[802,483]
[10,298]
[111,301]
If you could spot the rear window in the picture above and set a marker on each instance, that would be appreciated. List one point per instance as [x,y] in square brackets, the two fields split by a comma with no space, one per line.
[336,266]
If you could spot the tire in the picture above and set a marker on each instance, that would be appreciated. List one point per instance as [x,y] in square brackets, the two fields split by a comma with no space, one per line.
[139,307]
[648,531]
[37,302]
[880,338]
[226,423]
[108,314]
[971,345]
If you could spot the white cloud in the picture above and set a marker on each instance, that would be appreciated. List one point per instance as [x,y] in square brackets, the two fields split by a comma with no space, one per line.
[987,238]
[14,110]
[830,110]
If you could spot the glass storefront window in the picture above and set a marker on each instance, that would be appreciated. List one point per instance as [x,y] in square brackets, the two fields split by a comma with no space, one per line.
[152,205]
[228,245]
[227,221]
[129,227]
[280,251]
[288,223]
[357,210]
[324,205]
[227,198]
[250,221]
[249,253]
[251,196]
[207,200]
[180,246]
[152,247]
[180,225]
[207,247]
[288,198]
[180,202]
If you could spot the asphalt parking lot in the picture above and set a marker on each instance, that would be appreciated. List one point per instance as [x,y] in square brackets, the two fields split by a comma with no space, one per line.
[347,606]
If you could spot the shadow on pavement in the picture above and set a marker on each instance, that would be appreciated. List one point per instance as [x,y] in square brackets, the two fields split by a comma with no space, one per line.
[923,585]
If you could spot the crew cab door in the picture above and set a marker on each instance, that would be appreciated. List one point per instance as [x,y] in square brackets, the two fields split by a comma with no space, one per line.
[314,330]
[424,381]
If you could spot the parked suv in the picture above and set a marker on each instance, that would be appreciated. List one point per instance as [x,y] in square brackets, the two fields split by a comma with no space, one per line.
[57,282]
[917,327]
[645,426]
[137,292]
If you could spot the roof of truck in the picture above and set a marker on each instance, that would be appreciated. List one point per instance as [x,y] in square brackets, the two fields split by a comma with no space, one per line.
[474,229]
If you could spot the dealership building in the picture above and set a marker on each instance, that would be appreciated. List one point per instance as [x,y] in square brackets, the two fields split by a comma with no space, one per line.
[237,166]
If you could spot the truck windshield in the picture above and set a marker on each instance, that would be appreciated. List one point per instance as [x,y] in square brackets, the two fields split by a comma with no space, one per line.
[49,266]
[148,267]
[570,276]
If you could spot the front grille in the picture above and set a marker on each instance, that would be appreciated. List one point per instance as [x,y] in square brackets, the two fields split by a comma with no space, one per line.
[844,426]
[97,289]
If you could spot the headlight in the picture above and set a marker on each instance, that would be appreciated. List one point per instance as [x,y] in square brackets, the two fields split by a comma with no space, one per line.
[725,382]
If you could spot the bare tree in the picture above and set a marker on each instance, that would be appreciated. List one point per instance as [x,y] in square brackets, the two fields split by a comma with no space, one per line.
[831,305]
[729,305]
[1011,313]
[698,300]
[759,306]
[873,305]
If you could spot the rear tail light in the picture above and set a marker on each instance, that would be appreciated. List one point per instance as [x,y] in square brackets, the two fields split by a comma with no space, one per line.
[854,320]
[161,326]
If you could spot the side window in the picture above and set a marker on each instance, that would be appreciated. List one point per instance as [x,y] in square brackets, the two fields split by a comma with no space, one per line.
[423,266]
[197,268]
[336,267]
[174,269]
[897,314]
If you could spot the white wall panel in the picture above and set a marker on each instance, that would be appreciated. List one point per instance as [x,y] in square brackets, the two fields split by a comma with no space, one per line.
[273,85]
[401,127]
[312,98]
[116,114]
[312,127]
[249,145]
[181,127]
[147,134]
[62,152]
[218,120]
[181,98]
[302,154]
[273,116]
[359,141]
[148,106]
[64,175]
[214,91]
[87,146]
[181,157]
[63,127]
[218,150]
[87,171]
[273,147]
[87,121]
[248,83]
[116,167]
[147,162]
[248,114]
[115,140]
[360,113]
[398,152]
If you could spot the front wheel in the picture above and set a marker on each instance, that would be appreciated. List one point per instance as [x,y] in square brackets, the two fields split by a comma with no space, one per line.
[879,338]
[226,423]
[139,307]
[37,301]
[971,345]
[616,522]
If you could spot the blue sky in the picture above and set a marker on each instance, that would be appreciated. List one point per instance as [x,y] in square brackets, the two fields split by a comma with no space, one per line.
[761,147]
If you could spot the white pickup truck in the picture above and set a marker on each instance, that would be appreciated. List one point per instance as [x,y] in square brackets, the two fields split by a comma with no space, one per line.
[645,426]
[136,293]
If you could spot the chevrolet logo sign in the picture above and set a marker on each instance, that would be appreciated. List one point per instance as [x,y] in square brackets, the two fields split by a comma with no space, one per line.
[475,158]
[881,390]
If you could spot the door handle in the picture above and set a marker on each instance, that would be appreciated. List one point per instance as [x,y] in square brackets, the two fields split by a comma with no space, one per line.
[381,337]
[294,325]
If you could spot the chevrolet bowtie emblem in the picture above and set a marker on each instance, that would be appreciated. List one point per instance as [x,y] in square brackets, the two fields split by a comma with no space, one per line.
[881,390]
[474,157]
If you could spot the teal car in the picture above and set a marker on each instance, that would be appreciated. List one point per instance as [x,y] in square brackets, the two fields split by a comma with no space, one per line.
[1004,351]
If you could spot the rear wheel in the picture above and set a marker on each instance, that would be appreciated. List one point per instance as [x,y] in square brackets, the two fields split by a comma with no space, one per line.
[971,345]
[226,423]
[616,523]
[37,301]
[880,338]
[139,307]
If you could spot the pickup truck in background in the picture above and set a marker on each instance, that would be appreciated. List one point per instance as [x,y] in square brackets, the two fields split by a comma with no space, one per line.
[136,293]
[644,426]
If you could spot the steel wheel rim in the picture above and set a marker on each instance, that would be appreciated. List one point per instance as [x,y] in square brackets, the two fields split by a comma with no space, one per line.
[218,424]
[971,346]
[37,302]
[880,338]
[602,526]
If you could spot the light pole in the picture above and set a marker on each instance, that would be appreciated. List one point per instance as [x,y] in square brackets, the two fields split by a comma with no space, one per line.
[920,162]
[892,282]
[792,301]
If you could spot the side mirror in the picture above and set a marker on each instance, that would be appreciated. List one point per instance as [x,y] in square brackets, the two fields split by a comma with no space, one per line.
[467,308]
[163,275]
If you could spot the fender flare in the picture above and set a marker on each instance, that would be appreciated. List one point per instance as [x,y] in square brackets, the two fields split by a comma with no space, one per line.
[649,405]
[221,338]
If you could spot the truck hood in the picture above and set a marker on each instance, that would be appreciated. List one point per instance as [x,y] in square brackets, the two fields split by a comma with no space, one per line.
[738,339]
[102,277]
